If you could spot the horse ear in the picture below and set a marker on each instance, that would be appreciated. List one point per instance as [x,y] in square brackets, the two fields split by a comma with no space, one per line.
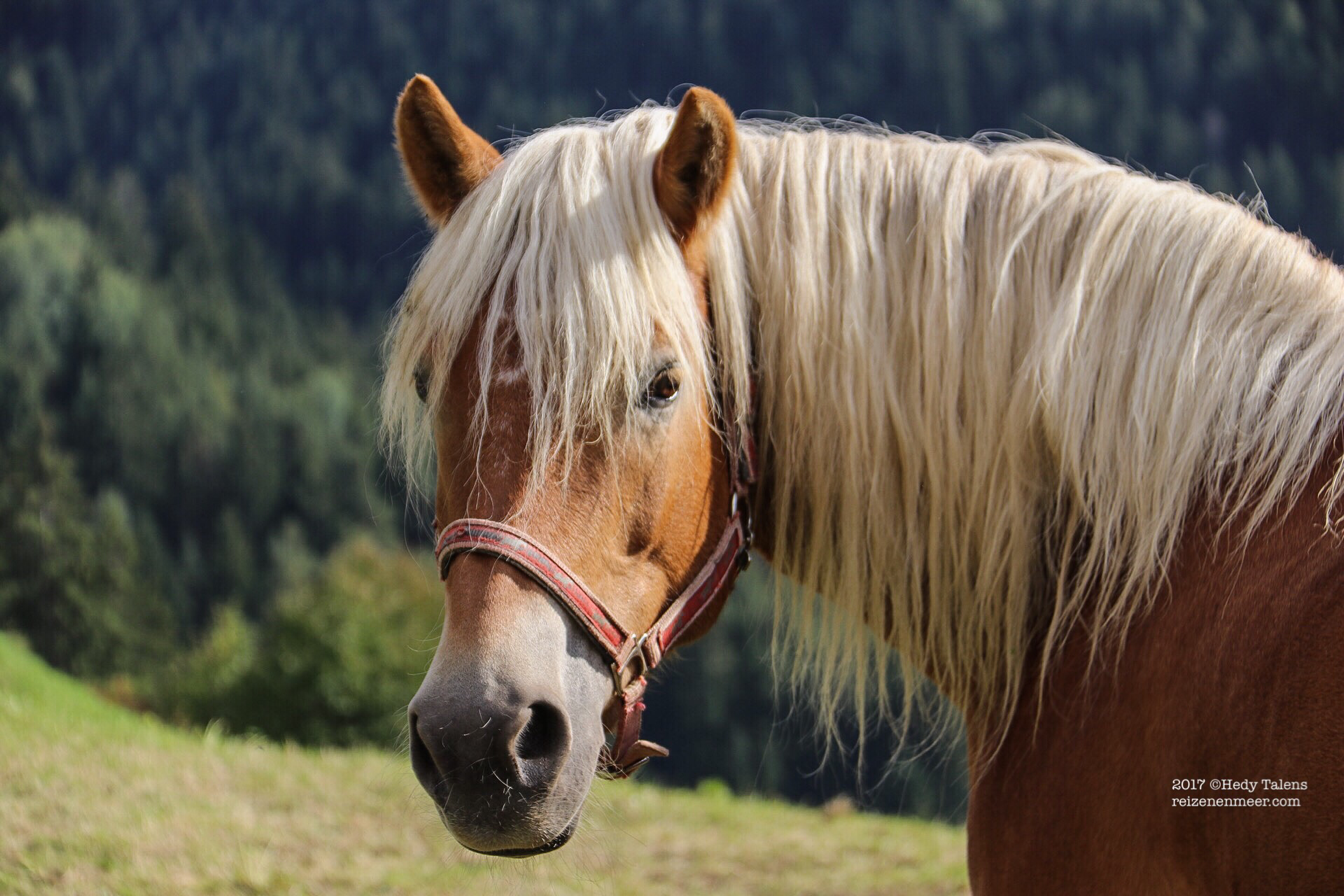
[444,159]
[691,174]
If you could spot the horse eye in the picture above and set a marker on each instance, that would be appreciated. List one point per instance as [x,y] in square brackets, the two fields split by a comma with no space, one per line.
[662,390]
[421,379]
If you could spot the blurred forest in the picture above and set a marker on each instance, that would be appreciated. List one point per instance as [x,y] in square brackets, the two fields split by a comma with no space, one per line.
[203,226]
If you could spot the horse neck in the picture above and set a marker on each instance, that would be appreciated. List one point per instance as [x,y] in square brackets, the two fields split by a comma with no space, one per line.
[964,376]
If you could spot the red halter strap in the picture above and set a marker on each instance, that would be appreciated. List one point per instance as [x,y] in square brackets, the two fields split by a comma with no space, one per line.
[630,656]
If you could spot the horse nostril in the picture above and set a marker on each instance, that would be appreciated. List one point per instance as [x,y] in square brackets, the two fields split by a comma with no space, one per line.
[525,747]
[541,735]
[422,761]
[542,743]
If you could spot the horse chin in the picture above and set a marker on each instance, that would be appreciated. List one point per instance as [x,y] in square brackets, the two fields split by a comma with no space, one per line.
[524,826]
[527,852]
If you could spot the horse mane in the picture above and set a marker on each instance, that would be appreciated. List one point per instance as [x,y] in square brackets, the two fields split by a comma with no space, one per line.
[994,377]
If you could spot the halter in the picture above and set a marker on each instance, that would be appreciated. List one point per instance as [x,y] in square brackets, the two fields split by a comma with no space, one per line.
[629,656]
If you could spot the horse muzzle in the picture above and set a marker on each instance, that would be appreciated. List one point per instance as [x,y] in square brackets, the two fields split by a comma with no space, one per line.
[493,770]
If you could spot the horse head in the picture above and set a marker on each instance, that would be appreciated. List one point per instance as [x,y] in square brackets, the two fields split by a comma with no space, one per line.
[508,728]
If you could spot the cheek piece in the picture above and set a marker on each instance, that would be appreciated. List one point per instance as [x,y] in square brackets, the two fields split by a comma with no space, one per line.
[630,656]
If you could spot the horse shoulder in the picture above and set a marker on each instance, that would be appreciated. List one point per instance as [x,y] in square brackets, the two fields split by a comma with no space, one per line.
[1233,676]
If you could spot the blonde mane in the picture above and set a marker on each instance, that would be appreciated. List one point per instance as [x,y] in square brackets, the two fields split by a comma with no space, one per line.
[994,378]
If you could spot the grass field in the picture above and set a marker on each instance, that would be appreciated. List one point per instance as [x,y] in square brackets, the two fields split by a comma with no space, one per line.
[95,799]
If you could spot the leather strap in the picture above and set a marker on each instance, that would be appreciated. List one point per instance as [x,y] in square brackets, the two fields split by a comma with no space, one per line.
[528,556]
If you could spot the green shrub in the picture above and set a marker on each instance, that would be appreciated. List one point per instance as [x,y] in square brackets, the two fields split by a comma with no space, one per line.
[334,662]
[202,685]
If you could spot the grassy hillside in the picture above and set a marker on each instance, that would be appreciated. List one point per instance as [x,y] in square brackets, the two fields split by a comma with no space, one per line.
[94,799]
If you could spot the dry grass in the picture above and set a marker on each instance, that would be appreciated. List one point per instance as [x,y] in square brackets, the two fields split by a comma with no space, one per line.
[94,799]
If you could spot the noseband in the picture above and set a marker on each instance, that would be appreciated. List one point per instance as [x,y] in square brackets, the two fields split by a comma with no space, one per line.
[630,656]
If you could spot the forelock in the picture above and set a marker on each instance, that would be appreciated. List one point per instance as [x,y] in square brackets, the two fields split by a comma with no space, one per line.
[564,247]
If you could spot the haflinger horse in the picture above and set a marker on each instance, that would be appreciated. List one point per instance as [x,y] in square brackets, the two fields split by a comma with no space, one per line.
[1064,436]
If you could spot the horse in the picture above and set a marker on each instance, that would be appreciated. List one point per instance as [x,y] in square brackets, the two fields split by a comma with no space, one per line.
[1061,436]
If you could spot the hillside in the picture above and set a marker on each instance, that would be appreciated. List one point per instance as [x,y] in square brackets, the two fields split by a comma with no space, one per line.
[95,799]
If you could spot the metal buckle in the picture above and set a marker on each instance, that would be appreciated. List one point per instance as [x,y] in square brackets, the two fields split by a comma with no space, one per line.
[611,770]
[625,771]
[618,672]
